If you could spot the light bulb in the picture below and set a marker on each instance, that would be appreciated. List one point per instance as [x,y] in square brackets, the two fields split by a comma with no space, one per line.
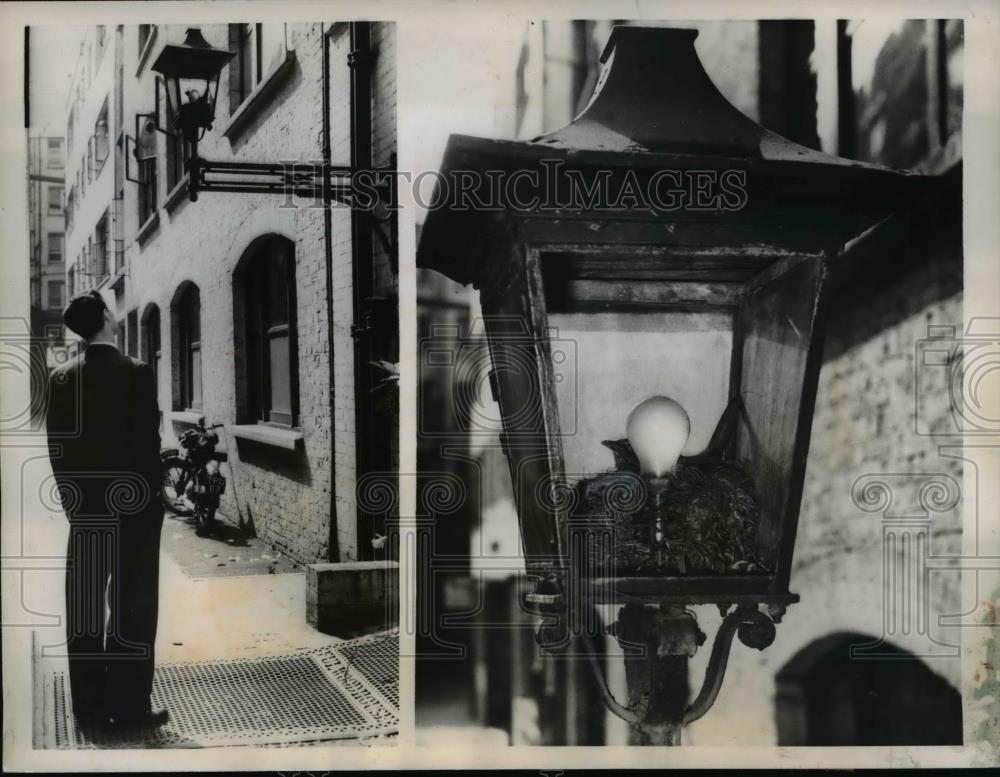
[658,429]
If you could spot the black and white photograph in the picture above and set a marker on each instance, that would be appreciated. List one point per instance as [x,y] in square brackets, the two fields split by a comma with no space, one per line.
[690,316]
[215,310]
[536,385]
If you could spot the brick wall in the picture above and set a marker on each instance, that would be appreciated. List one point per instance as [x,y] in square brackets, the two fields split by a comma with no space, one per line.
[864,435]
[285,496]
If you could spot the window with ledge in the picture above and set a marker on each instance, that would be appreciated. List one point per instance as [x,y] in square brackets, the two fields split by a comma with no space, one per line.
[147,189]
[186,337]
[267,360]
[55,295]
[117,241]
[55,247]
[258,48]
[55,153]
[100,248]
[55,199]
[102,143]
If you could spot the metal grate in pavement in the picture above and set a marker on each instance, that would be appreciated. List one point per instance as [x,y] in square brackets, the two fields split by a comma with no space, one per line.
[369,668]
[300,697]
[378,661]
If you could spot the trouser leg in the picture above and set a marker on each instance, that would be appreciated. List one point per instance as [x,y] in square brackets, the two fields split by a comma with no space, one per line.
[134,606]
[88,566]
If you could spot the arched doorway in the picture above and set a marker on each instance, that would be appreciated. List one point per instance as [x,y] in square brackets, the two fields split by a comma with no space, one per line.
[889,697]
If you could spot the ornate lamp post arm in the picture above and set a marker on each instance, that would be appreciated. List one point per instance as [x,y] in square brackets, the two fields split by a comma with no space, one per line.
[657,678]
[755,630]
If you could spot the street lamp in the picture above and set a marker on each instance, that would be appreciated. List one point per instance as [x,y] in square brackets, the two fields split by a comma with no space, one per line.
[191,73]
[654,285]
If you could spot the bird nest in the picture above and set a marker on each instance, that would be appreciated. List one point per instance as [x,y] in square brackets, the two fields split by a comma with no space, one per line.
[700,519]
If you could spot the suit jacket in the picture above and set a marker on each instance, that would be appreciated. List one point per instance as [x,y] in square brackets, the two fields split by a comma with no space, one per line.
[104,439]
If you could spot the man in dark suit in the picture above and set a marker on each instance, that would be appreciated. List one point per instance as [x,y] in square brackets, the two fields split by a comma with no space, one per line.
[104,444]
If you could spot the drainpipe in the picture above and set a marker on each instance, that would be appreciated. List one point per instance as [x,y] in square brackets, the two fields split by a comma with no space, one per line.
[333,549]
[362,259]
[846,108]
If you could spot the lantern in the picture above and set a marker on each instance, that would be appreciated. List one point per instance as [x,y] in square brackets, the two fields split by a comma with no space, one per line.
[654,281]
[191,73]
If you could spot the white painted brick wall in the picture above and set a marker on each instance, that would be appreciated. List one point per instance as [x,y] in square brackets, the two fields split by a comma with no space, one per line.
[202,242]
[863,425]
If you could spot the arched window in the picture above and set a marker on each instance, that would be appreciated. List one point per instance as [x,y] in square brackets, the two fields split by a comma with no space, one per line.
[186,330]
[264,296]
[829,695]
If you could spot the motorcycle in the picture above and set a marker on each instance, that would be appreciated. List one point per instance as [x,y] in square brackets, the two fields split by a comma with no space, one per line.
[192,482]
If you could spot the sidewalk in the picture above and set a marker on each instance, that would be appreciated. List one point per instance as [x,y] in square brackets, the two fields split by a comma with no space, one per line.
[227,616]
[237,664]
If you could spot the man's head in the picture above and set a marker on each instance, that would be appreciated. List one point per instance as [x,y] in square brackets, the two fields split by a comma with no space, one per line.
[88,316]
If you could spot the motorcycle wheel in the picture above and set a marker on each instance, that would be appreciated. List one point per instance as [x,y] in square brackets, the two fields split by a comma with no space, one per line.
[177,475]
[204,518]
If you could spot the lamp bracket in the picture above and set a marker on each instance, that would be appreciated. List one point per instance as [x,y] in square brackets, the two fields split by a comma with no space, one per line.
[346,185]
[671,632]
[754,628]
[156,115]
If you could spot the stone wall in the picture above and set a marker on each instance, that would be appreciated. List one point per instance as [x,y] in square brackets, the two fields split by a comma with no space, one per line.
[877,487]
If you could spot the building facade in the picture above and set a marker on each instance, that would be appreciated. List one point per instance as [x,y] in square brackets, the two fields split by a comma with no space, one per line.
[248,305]
[45,205]
[46,260]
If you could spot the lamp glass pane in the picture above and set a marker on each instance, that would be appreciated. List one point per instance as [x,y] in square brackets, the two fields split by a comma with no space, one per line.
[199,85]
[606,362]
[171,91]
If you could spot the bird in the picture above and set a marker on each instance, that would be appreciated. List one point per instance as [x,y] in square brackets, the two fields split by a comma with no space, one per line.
[717,449]
[625,458]
[706,525]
